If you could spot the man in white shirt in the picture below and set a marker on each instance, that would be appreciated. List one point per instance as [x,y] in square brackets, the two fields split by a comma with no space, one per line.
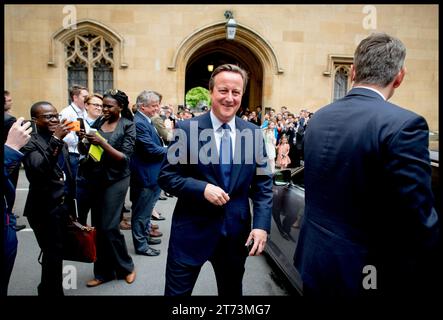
[72,112]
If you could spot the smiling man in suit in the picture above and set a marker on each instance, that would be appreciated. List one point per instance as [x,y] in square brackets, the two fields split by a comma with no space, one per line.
[212,218]
[369,225]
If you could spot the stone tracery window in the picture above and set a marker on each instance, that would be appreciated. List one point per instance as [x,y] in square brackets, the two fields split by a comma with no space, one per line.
[90,62]
[341,81]
[338,68]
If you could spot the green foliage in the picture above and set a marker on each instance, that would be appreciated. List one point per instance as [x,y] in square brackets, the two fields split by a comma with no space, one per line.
[197,97]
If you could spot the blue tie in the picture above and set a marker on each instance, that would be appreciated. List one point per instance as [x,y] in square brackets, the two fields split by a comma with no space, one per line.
[225,155]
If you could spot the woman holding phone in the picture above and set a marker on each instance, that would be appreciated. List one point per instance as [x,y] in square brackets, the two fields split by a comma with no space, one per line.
[107,182]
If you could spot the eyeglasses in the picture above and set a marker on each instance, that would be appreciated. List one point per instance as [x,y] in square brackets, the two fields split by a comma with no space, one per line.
[97,105]
[49,116]
[112,92]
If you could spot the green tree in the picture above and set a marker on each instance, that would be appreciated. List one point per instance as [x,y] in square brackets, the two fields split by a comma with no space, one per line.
[197,97]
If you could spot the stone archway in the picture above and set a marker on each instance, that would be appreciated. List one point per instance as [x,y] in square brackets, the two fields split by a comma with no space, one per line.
[249,49]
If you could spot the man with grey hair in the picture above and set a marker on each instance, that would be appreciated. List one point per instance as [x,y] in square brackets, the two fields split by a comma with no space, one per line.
[145,167]
[369,225]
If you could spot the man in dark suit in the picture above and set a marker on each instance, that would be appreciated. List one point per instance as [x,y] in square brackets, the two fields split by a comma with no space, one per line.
[8,121]
[145,167]
[212,218]
[46,162]
[18,136]
[369,224]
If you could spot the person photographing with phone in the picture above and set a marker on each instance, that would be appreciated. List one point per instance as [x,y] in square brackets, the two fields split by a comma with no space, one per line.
[51,190]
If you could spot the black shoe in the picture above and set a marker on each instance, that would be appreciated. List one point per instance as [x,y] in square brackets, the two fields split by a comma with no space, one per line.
[150,252]
[169,195]
[157,217]
[19,227]
[154,241]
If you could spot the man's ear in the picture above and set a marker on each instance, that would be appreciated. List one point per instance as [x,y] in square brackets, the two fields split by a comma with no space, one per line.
[352,73]
[399,77]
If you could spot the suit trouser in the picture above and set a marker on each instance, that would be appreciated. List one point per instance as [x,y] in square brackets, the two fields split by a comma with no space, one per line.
[9,252]
[113,258]
[86,197]
[143,202]
[228,262]
[48,230]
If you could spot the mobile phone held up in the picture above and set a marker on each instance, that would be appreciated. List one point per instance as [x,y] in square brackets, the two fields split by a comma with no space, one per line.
[33,126]
[75,125]
[82,123]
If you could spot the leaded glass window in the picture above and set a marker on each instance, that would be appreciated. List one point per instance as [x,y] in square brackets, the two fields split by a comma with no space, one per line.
[90,62]
[341,81]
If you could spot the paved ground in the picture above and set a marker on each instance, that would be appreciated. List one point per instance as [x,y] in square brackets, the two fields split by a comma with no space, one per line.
[260,279]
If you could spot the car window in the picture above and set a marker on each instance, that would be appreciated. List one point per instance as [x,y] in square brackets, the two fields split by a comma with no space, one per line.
[298,178]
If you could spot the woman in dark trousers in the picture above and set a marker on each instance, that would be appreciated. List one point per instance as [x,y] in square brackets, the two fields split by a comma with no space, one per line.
[109,181]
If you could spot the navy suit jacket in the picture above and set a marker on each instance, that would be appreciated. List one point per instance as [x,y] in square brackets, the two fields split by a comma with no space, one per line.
[148,155]
[368,195]
[12,159]
[197,224]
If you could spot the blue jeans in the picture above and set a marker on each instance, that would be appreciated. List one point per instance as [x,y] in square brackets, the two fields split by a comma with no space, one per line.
[143,201]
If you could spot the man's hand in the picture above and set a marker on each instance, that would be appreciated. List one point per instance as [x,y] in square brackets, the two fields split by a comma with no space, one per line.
[19,134]
[81,134]
[260,237]
[216,195]
[62,129]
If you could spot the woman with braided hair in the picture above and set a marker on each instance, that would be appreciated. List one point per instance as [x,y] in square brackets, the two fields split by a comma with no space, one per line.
[108,180]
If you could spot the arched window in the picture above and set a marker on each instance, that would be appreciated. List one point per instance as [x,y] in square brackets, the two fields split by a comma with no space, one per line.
[90,62]
[339,68]
[341,81]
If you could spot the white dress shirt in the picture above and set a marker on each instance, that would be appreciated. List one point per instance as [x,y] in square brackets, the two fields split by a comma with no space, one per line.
[71,113]
[216,125]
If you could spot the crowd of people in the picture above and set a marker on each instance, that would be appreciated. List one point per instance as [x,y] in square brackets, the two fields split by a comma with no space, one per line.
[89,167]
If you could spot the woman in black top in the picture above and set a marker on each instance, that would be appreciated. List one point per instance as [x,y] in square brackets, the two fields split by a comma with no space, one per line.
[109,181]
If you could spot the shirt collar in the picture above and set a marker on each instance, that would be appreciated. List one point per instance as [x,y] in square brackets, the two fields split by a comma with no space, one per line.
[149,119]
[216,123]
[76,108]
[372,89]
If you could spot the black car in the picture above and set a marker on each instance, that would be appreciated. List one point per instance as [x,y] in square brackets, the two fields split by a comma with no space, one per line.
[288,208]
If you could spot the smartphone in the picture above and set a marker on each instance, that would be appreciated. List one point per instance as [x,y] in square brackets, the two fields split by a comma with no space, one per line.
[74,123]
[82,123]
[33,126]
[92,131]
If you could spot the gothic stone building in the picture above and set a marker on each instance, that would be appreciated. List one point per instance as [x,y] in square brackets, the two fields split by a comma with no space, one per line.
[297,55]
